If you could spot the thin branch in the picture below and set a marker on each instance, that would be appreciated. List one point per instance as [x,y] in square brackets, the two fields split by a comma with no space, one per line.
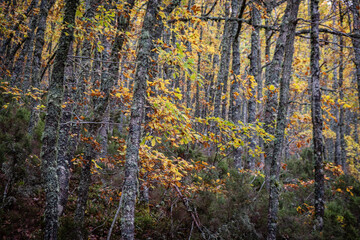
[115,217]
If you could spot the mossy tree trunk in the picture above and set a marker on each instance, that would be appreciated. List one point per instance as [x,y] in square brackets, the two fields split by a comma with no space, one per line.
[222,76]
[235,100]
[108,77]
[316,115]
[272,79]
[355,9]
[255,75]
[143,67]
[151,31]
[45,7]
[52,119]
[281,120]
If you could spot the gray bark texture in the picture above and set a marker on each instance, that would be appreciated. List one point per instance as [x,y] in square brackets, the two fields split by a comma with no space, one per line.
[316,115]
[52,119]
[355,9]
[45,7]
[272,77]
[340,145]
[255,71]
[222,77]
[235,100]
[281,120]
[63,158]
[151,30]
[143,67]
[108,77]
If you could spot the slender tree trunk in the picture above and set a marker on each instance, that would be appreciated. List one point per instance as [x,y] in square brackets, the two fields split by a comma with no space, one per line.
[63,162]
[255,76]
[355,9]
[222,77]
[108,77]
[145,46]
[272,77]
[340,148]
[235,100]
[52,119]
[281,120]
[19,66]
[144,67]
[316,115]
[45,7]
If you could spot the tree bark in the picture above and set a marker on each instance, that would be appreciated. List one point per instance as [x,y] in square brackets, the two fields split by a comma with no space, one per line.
[151,31]
[340,145]
[272,77]
[222,77]
[108,77]
[255,75]
[235,100]
[281,120]
[45,7]
[52,119]
[63,161]
[137,109]
[355,9]
[316,115]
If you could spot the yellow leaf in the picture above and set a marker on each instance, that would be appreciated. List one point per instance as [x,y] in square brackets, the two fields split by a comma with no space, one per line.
[272,87]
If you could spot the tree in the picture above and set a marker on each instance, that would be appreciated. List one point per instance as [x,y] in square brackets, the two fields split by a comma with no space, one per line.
[281,119]
[137,112]
[51,131]
[316,115]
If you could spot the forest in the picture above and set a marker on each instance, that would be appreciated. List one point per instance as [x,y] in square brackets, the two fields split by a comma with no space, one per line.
[179,119]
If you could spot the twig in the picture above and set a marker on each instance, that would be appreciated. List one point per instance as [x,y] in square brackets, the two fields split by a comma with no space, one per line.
[115,217]
[192,226]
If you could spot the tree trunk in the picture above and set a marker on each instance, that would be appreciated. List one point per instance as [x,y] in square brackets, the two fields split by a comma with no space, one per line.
[45,7]
[316,115]
[52,119]
[272,77]
[20,62]
[281,120]
[355,9]
[149,35]
[63,162]
[222,77]
[255,75]
[108,77]
[340,147]
[235,100]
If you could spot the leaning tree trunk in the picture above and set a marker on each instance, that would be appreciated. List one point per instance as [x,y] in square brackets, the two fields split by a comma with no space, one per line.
[52,119]
[316,115]
[281,120]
